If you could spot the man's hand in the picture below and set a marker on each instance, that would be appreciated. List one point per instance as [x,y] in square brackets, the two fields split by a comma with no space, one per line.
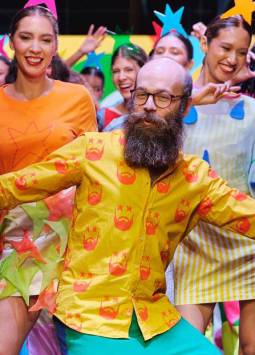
[212,93]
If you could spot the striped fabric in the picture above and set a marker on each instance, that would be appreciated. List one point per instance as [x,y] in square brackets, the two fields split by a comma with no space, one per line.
[212,265]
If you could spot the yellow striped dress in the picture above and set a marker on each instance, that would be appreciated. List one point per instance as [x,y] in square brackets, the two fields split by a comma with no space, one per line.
[212,265]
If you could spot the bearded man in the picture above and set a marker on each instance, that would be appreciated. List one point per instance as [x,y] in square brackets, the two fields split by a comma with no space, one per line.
[137,197]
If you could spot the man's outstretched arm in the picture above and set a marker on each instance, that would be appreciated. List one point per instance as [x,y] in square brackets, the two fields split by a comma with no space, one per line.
[60,170]
[228,208]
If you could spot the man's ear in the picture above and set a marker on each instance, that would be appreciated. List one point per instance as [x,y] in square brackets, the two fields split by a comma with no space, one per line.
[204,44]
[188,105]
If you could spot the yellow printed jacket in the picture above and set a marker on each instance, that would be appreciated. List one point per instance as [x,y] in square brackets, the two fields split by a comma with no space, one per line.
[125,229]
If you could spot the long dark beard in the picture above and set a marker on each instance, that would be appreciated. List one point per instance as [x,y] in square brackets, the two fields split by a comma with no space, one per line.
[152,142]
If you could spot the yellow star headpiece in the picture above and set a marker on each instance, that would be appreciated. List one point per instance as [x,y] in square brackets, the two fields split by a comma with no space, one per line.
[242,7]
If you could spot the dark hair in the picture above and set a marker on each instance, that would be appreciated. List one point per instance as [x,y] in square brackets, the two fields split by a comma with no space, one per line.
[5,60]
[76,78]
[25,12]
[93,71]
[12,73]
[221,23]
[187,91]
[183,39]
[59,69]
[130,51]
[187,85]
[248,86]
[32,11]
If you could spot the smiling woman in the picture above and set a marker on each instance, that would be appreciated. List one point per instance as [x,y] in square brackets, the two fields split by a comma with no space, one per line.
[38,115]
[34,41]
[126,61]
[211,264]
[225,45]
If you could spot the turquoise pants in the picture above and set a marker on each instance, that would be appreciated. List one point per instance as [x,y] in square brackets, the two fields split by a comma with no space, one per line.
[182,339]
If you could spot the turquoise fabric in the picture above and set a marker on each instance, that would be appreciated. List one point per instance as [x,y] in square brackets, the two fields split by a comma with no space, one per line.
[179,340]
[24,350]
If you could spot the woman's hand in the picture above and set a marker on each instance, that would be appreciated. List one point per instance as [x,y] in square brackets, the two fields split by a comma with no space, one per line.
[198,30]
[90,44]
[93,40]
[212,93]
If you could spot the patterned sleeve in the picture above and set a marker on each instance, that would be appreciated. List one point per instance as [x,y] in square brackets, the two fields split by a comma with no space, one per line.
[60,170]
[228,208]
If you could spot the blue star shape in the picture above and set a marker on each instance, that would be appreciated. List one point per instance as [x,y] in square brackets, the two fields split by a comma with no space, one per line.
[93,60]
[171,20]
[198,55]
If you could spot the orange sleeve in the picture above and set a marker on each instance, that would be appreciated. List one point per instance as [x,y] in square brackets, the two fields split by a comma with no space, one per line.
[87,115]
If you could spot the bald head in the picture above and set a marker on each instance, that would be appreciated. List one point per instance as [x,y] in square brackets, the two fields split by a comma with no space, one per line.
[164,74]
[154,127]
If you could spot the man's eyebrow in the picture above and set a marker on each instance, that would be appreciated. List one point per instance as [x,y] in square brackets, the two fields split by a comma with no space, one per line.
[156,90]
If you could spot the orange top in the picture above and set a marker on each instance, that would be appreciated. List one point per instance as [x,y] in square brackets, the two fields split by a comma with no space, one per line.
[32,129]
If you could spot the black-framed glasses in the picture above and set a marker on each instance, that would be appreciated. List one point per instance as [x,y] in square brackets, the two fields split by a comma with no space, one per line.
[161,99]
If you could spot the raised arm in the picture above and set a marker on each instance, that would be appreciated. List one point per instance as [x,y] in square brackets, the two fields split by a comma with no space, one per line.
[90,44]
